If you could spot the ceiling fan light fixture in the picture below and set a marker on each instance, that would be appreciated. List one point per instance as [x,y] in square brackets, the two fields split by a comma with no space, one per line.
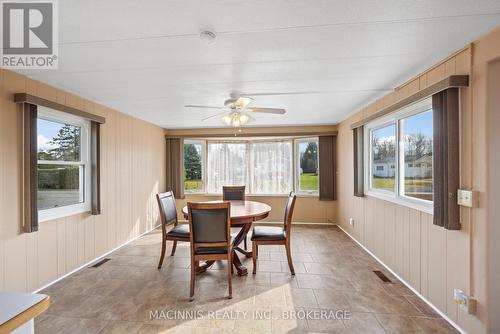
[227,119]
[243,119]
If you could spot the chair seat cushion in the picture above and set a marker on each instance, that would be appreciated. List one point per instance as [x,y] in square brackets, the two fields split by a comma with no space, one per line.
[179,231]
[212,250]
[268,233]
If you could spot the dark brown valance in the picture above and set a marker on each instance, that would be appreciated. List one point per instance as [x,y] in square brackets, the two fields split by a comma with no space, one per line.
[453,81]
[175,166]
[358,158]
[327,167]
[31,99]
[446,118]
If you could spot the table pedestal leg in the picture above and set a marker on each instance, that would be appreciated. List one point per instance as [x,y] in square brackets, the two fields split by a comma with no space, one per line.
[240,237]
[203,268]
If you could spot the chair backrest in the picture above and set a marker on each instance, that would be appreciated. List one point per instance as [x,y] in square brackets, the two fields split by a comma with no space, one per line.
[210,224]
[290,205]
[168,211]
[233,193]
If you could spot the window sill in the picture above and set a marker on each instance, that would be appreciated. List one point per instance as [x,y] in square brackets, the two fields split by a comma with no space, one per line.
[48,216]
[403,201]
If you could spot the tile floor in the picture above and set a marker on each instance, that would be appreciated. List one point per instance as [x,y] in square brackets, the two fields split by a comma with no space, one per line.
[333,275]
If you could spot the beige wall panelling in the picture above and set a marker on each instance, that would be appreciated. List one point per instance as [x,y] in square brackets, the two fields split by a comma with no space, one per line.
[61,247]
[29,261]
[493,190]
[15,250]
[32,271]
[3,168]
[399,256]
[101,221]
[110,129]
[425,254]
[437,263]
[461,261]
[390,234]
[71,243]
[47,252]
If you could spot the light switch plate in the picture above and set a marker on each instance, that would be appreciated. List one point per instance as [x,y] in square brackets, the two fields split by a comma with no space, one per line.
[466,198]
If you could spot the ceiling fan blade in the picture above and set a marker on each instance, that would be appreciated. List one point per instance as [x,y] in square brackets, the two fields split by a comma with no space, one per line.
[242,102]
[276,111]
[204,107]
[214,115]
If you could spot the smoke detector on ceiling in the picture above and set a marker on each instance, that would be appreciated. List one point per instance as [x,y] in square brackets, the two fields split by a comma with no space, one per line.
[208,36]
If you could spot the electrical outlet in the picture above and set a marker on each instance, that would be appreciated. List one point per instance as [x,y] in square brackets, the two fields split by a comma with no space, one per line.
[466,198]
[351,221]
[466,302]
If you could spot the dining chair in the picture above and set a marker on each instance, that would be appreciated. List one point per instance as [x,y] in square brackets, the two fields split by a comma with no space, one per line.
[210,239]
[234,193]
[273,235]
[168,217]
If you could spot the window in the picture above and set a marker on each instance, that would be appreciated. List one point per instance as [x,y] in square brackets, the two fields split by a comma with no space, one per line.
[416,137]
[265,166]
[399,156]
[272,167]
[194,152]
[383,154]
[63,164]
[307,162]
[227,165]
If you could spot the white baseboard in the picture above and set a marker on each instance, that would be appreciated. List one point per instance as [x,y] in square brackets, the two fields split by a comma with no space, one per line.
[438,311]
[94,260]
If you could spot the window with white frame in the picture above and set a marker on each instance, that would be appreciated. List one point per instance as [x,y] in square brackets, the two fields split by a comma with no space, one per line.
[400,155]
[271,167]
[194,153]
[63,164]
[227,165]
[307,171]
[265,166]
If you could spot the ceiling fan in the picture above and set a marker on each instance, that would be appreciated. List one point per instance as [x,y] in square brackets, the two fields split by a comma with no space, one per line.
[235,110]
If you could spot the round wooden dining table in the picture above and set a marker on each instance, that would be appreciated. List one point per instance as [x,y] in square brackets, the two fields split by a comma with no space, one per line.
[243,214]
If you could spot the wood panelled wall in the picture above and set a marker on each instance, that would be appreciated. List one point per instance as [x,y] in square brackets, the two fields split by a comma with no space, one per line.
[431,259]
[132,172]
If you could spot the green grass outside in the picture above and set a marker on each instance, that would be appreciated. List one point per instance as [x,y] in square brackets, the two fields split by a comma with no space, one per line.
[388,183]
[191,185]
[308,181]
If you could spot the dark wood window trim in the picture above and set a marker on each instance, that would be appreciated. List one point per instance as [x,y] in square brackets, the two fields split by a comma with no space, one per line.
[359,161]
[446,146]
[30,115]
[327,166]
[95,163]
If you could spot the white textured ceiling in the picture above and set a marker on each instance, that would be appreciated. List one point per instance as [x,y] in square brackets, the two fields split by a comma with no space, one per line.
[320,59]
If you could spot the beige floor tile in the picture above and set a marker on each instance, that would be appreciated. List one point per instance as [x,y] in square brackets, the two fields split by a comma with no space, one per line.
[396,324]
[363,323]
[332,274]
